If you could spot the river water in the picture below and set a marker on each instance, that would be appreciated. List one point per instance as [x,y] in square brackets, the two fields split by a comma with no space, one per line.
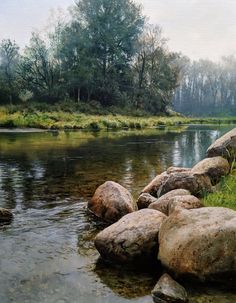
[46,178]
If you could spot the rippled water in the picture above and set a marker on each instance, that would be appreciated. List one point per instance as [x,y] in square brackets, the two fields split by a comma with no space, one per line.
[47,253]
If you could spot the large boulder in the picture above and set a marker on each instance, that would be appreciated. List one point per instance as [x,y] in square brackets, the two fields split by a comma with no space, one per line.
[111,202]
[132,238]
[225,146]
[197,184]
[162,204]
[145,200]
[199,243]
[214,168]
[5,215]
[170,205]
[168,290]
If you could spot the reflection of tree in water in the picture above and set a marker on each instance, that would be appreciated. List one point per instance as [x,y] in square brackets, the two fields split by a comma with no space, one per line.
[33,176]
[126,281]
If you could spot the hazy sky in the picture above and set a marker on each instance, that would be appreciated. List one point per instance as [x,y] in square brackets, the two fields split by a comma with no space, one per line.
[197,28]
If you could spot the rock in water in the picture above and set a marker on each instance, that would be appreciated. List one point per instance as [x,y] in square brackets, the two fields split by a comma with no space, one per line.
[214,168]
[132,238]
[5,215]
[111,202]
[224,146]
[200,243]
[169,291]
[145,200]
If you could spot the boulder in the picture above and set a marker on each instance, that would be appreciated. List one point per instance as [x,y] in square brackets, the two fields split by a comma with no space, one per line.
[172,204]
[225,146]
[111,202]
[214,168]
[184,202]
[199,243]
[132,238]
[197,184]
[153,187]
[162,204]
[5,215]
[155,184]
[168,290]
[145,200]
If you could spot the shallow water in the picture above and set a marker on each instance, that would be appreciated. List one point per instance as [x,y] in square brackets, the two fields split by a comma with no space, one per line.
[47,253]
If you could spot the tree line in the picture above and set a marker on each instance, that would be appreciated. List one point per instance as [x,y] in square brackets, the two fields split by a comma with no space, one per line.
[105,52]
[206,87]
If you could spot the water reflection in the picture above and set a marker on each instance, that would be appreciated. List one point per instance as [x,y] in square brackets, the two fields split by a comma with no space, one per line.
[47,253]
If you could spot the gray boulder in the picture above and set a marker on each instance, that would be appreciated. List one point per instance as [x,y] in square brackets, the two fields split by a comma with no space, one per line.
[111,202]
[225,146]
[215,168]
[200,243]
[168,290]
[132,238]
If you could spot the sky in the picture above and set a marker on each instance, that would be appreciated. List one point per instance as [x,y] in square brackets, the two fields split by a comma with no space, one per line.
[197,28]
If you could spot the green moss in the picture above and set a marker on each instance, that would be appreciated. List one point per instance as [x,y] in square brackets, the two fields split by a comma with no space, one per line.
[225,196]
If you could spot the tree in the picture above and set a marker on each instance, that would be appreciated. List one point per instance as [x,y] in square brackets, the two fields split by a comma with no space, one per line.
[111,28]
[9,59]
[39,70]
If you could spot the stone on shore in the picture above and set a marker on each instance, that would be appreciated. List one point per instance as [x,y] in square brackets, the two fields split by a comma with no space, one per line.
[5,215]
[225,146]
[168,290]
[162,204]
[215,168]
[132,238]
[200,243]
[197,184]
[153,187]
[111,202]
[145,200]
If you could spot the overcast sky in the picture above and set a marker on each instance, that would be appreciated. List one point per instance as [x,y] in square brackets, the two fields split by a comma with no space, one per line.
[197,28]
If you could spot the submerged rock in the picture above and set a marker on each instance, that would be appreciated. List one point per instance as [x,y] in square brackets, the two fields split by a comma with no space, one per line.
[132,238]
[214,168]
[225,146]
[5,215]
[145,200]
[111,202]
[169,291]
[200,243]
[162,204]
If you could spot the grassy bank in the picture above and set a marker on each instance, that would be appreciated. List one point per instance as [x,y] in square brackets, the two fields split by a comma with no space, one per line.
[225,196]
[67,120]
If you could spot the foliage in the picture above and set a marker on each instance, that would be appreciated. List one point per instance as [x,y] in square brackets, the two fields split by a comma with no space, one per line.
[226,195]
[105,52]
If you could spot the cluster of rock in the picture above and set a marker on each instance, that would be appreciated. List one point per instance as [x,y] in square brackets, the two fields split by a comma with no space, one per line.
[169,222]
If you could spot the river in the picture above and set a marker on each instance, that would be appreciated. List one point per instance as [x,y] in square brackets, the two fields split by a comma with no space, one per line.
[47,253]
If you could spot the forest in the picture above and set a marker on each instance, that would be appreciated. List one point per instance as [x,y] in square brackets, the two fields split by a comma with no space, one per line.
[105,56]
[105,53]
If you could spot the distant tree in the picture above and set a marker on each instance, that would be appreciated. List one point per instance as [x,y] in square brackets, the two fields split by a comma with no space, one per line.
[156,71]
[9,59]
[39,70]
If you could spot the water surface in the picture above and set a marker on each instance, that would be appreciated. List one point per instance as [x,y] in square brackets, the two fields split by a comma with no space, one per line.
[47,253]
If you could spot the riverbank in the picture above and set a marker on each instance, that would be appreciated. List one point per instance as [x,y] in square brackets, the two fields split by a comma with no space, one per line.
[64,120]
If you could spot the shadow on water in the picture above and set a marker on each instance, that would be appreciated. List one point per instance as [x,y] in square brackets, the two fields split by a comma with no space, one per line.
[47,253]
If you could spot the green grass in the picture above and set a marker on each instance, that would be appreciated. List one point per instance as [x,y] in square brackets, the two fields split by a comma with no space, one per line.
[225,196]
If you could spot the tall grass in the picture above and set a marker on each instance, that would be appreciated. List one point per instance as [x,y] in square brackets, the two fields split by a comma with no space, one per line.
[225,196]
